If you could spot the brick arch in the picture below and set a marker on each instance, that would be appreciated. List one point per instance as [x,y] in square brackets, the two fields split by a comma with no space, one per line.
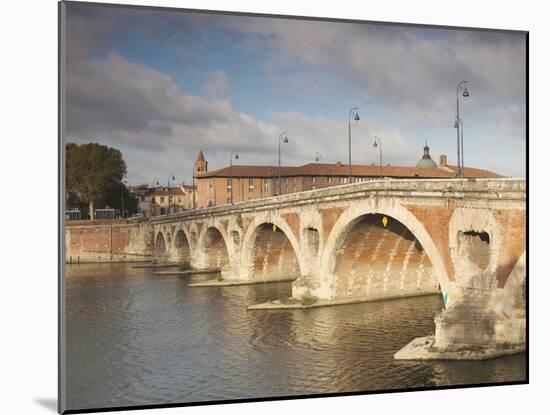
[160,244]
[407,225]
[259,226]
[181,243]
[215,247]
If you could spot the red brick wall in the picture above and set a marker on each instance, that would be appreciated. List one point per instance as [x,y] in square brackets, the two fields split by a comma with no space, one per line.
[273,255]
[514,225]
[378,262]
[329,217]
[216,250]
[436,222]
[104,241]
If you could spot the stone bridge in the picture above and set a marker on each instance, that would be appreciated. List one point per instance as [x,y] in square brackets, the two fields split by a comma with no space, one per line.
[464,239]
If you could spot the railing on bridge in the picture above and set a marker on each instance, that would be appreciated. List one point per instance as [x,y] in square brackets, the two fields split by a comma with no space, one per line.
[501,188]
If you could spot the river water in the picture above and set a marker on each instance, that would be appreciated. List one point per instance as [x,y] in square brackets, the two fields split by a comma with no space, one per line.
[134,338]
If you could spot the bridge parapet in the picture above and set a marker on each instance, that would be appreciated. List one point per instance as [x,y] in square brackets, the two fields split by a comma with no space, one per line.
[504,189]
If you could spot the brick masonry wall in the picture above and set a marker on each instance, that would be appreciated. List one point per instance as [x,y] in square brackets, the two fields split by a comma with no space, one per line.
[436,221]
[215,250]
[513,245]
[374,261]
[273,255]
[108,241]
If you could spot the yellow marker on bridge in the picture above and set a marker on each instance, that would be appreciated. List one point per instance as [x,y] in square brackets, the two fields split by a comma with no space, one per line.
[274,228]
[385,221]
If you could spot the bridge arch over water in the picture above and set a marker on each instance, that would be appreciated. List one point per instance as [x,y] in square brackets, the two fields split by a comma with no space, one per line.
[182,246]
[160,245]
[214,248]
[362,258]
[270,249]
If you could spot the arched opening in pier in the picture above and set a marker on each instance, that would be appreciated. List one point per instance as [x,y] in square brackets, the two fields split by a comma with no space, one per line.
[160,245]
[475,248]
[272,254]
[182,245]
[215,249]
[377,256]
[311,242]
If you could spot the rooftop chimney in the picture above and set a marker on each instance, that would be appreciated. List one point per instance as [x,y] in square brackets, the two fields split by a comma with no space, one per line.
[442,160]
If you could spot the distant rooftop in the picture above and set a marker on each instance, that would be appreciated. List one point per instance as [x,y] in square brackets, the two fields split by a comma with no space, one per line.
[341,170]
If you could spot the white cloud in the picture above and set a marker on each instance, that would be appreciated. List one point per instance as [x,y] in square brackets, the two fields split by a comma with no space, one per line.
[219,85]
[128,105]
[407,74]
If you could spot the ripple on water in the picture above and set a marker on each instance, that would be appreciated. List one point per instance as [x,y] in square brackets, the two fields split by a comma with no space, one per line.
[136,339]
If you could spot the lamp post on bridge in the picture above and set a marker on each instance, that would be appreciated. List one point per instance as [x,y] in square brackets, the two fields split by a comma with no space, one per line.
[231,171]
[356,118]
[284,139]
[461,144]
[378,142]
[458,125]
[170,175]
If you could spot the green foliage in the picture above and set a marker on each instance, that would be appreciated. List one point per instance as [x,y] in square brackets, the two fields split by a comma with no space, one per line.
[184,265]
[94,175]
[239,220]
[308,299]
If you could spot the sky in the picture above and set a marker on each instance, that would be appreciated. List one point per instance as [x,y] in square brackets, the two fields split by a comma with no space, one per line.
[162,85]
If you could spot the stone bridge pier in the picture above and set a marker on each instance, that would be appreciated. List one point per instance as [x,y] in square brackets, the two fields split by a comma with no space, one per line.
[461,239]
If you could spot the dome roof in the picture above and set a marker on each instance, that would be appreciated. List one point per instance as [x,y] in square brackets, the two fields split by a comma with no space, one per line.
[426,160]
[426,163]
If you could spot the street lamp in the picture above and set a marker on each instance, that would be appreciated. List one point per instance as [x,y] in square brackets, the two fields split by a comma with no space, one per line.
[318,157]
[171,175]
[458,125]
[124,182]
[282,139]
[378,142]
[231,170]
[356,118]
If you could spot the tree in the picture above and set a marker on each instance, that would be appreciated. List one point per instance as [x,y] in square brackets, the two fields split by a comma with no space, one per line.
[93,171]
[113,198]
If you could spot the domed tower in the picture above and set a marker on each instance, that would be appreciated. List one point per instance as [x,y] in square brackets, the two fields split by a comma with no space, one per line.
[426,160]
[201,165]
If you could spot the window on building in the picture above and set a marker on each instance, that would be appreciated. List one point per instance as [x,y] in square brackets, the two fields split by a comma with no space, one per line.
[287,179]
[330,179]
[162,199]
[266,186]
[344,180]
[250,185]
